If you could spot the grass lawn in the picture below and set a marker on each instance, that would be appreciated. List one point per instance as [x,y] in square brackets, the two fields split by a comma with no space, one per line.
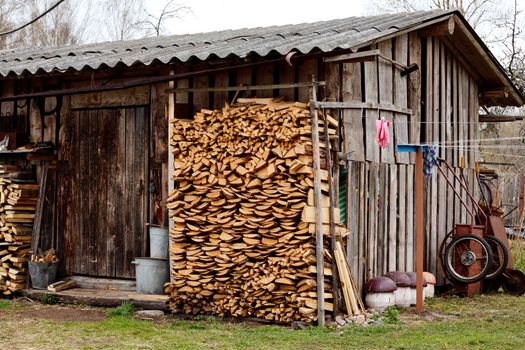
[483,322]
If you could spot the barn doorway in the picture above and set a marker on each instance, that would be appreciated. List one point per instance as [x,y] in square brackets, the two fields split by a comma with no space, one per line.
[104,197]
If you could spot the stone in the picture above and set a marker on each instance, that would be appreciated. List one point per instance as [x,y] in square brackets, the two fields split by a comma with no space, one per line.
[149,313]
[361,320]
[340,320]
[297,325]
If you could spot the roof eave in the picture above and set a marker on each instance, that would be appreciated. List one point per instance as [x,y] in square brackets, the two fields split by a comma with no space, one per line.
[513,97]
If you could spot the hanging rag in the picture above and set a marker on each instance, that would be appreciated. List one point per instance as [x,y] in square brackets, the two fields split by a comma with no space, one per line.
[383,134]
[429,159]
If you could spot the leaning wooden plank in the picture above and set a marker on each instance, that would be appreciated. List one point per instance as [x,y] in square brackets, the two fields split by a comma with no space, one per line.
[40,208]
[331,211]
[344,283]
[61,285]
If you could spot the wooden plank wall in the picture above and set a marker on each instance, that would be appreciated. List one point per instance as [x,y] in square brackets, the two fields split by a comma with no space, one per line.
[187,103]
[103,180]
[380,182]
[45,129]
[444,104]
[451,116]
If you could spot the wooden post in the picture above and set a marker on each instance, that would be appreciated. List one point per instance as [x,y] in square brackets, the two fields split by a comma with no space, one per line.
[333,238]
[419,228]
[170,109]
[319,249]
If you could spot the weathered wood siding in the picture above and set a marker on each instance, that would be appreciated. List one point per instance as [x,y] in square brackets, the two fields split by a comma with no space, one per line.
[188,102]
[103,191]
[66,193]
[443,98]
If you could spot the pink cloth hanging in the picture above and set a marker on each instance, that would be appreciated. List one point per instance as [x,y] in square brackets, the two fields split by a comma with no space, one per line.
[383,134]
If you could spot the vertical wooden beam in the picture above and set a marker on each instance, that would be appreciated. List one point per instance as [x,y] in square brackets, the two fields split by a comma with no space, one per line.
[371,95]
[427,134]
[436,119]
[221,97]
[372,235]
[401,126]
[264,76]
[332,92]
[353,118]
[385,85]
[410,219]
[333,204]
[354,217]
[442,186]
[171,163]
[402,219]
[286,75]
[414,90]
[319,249]
[306,70]
[419,229]
[363,222]
[381,259]
[392,230]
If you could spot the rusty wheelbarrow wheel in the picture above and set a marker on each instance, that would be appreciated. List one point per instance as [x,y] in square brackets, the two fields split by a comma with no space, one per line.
[500,257]
[513,282]
[468,258]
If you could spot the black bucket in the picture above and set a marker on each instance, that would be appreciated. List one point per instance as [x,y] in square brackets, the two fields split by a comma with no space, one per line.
[42,274]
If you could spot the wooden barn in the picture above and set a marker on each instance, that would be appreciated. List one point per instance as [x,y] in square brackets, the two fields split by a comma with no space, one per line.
[105,109]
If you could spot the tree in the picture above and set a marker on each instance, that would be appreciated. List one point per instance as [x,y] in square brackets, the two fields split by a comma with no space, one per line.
[156,21]
[65,25]
[129,19]
[485,16]
[123,17]
[9,10]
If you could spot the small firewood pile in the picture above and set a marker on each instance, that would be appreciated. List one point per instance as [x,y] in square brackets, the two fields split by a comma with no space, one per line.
[243,240]
[18,199]
[49,256]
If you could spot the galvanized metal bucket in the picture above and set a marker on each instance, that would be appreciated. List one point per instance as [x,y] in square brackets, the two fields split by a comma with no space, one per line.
[158,242]
[42,273]
[151,275]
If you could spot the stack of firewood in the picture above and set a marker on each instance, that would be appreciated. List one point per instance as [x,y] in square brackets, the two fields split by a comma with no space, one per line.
[17,211]
[243,239]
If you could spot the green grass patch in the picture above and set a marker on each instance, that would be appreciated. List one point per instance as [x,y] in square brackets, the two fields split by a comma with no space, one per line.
[124,310]
[517,250]
[49,299]
[483,322]
[4,304]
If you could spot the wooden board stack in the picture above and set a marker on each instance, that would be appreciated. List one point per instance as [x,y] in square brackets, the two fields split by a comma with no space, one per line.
[17,211]
[243,244]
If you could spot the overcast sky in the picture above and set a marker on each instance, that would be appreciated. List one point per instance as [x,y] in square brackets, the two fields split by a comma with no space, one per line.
[211,15]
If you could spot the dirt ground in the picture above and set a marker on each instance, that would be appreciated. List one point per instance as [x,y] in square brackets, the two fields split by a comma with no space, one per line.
[29,309]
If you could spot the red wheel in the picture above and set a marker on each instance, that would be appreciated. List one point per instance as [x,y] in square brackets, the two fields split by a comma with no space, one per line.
[468,258]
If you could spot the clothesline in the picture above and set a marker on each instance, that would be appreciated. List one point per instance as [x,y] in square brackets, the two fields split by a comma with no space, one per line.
[474,140]
[480,147]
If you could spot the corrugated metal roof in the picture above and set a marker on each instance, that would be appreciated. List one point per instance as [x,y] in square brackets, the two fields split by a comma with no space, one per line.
[304,38]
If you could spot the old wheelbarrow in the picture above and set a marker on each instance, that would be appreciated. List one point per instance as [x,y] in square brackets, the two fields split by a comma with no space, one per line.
[479,250]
